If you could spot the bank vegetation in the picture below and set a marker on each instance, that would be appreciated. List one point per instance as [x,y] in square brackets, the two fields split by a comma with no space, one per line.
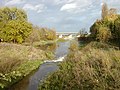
[20,45]
[95,65]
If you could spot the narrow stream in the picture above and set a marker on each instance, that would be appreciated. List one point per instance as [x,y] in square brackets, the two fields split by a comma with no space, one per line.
[32,81]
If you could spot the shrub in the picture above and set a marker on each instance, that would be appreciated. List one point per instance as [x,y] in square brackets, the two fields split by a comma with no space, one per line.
[88,69]
[41,34]
[104,34]
[14,26]
[107,29]
[34,36]
[16,31]
[73,46]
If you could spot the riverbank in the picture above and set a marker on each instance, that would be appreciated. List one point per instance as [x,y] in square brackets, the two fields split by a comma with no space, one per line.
[31,82]
[96,66]
[19,73]
[17,61]
[45,42]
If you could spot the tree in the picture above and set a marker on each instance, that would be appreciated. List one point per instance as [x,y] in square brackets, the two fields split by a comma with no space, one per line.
[117,27]
[95,28]
[16,31]
[104,10]
[8,14]
[83,32]
[51,34]
[104,34]
[117,30]
[47,34]
[13,14]
[38,34]
[34,36]
[13,25]
[112,11]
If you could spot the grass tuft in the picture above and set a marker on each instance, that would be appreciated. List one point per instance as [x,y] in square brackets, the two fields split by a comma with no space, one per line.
[91,68]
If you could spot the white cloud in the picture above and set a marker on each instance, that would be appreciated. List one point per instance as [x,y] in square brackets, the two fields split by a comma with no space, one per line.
[57,2]
[14,2]
[38,8]
[76,5]
[62,1]
[112,1]
[68,6]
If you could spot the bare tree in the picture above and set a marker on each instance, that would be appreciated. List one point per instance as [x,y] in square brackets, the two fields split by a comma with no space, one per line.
[112,11]
[104,10]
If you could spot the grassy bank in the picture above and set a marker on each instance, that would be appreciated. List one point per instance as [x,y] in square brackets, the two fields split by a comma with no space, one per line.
[95,66]
[61,40]
[18,73]
[17,61]
[42,42]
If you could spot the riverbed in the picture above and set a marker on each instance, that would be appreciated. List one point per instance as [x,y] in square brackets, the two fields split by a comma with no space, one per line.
[32,81]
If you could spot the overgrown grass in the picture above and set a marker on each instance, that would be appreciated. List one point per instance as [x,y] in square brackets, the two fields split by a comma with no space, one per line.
[17,61]
[9,51]
[18,73]
[91,68]
[7,66]
[61,40]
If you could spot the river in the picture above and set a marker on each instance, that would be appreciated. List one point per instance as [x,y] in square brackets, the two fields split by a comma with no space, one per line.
[32,81]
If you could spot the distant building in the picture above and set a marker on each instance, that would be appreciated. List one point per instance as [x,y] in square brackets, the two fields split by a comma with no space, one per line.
[60,36]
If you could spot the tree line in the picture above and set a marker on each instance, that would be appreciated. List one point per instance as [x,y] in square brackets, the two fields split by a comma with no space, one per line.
[14,27]
[108,28]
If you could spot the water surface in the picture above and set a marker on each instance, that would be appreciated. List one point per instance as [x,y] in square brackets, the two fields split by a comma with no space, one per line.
[32,81]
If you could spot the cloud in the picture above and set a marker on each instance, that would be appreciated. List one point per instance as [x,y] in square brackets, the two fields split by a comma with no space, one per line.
[38,8]
[112,3]
[68,7]
[14,2]
[56,2]
[76,6]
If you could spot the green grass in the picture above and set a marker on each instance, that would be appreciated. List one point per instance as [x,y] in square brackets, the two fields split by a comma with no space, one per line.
[17,61]
[11,51]
[61,40]
[94,67]
[21,71]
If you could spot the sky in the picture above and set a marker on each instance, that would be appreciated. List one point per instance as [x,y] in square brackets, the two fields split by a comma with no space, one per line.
[63,15]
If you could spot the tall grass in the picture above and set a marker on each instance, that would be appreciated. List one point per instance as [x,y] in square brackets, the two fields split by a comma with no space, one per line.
[91,68]
[12,55]
[17,61]
[7,66]
[22,52]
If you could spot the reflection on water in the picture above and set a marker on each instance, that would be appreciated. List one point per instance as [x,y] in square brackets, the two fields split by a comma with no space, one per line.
[23,84]
[50,47]
[31,82]
[39,76]
[62,50]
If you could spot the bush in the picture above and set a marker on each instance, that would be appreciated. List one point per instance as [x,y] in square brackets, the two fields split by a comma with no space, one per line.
[88,69]
[104,34]
[6,80]
[16,31]
[107,29]
[41,34]
[14,26]
[47,34]
[34,36]
[73,46]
